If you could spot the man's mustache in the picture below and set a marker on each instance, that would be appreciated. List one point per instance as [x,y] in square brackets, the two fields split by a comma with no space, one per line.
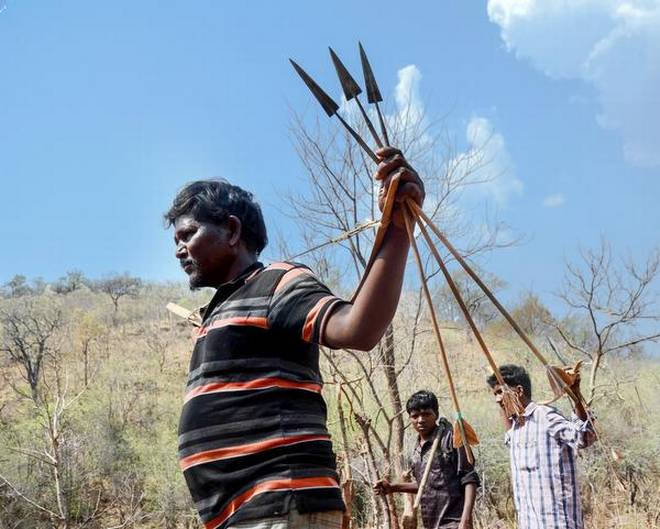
[186,262]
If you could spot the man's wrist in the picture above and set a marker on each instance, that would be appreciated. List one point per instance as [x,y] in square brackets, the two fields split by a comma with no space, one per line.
[398,235]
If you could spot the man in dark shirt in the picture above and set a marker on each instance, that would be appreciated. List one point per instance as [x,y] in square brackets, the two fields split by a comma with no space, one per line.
[253,443]
[448,497]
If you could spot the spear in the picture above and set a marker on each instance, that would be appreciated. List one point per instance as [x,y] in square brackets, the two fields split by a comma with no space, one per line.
[373,93]
[331,108]
[351,91]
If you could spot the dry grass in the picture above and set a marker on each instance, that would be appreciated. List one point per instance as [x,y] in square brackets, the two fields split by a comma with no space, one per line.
[120,436]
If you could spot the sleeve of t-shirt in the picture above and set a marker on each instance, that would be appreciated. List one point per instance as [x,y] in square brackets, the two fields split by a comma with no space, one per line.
[300,305]
[464,469]
[575,433]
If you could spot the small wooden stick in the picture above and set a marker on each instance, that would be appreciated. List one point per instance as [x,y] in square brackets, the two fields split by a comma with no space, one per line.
[427,470]
[184,313]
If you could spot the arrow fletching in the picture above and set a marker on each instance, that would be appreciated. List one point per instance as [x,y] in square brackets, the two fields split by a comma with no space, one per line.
[464,434]
[324,99]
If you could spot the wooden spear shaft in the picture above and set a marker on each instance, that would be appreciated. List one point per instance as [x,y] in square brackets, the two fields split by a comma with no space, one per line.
[427,471]
[461,304]
[576,398]
[445,363]
[436,329]
[478,281]
[420,213]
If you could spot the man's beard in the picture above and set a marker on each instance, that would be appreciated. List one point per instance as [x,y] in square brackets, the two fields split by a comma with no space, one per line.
[195,282]
[196,279]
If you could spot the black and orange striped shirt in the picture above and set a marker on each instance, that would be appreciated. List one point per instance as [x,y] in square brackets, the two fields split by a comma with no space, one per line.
[252,435]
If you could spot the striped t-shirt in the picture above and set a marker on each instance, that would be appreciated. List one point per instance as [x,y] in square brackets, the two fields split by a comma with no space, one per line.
[543,449]
[252,435]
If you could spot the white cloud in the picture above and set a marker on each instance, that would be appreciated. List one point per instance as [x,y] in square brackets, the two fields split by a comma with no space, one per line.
[496,169]
[614,45]
[407,119]
[406,93]
[554,201]
[495,173]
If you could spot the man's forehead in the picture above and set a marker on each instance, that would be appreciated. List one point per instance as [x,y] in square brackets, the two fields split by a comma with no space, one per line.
[422,410]
[185,220]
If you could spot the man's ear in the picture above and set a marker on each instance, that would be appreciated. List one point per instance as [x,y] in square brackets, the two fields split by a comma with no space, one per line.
[235,228]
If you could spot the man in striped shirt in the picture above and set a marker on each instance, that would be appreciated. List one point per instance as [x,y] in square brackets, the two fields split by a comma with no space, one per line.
[542,446]
[253,443]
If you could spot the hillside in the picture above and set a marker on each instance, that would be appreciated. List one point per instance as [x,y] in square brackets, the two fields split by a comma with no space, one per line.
[92,441]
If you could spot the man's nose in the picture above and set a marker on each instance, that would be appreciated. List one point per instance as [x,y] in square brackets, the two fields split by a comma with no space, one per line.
[181,251]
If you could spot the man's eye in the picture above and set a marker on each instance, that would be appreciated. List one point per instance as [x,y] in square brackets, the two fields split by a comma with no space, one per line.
[186,235]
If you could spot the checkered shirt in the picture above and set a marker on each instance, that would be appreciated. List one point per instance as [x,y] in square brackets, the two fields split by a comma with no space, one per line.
[543,467]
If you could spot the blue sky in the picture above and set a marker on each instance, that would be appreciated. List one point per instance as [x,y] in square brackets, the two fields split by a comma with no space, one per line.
[106,109]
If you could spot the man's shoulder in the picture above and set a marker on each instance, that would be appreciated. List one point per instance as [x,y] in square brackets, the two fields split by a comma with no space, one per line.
[445,428]
[273,273]
[548,417]
[285,266]
[546,410]
[280,269]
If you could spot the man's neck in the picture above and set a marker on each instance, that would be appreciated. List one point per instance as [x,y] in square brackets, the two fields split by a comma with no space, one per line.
[430,436]
[242,262]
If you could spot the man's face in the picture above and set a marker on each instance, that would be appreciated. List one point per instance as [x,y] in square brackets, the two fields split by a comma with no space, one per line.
[498,393]
[204,251]
[423,421]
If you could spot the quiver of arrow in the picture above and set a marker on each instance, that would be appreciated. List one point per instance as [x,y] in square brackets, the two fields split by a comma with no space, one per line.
[566,377]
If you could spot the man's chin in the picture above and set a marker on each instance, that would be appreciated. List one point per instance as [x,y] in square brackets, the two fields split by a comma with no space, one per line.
[195,281]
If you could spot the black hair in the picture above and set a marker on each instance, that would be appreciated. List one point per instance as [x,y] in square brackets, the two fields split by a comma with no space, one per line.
[213,201]
[513,375]
[422,400]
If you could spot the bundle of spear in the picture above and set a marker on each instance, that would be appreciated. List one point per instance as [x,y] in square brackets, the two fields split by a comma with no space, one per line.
[560,378]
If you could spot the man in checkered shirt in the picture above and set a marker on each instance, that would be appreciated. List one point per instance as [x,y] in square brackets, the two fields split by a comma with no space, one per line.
[543,445]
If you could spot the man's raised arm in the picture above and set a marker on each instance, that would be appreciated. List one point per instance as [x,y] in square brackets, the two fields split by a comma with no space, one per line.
[362,323]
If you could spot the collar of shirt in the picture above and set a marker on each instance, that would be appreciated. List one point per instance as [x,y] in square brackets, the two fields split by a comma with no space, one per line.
[227,289]
[440,428]
[530,408]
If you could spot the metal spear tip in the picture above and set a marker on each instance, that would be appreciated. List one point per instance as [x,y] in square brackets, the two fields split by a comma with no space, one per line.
[348,84]
[324,99]
[373,93]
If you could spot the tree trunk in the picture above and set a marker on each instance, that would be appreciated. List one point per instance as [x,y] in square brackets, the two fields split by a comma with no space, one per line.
[595,365]
[389,365]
